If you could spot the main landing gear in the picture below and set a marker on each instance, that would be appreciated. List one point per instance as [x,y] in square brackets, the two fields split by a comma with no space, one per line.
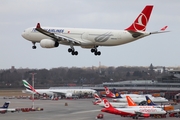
[72,51]
[34,46]
[95,51]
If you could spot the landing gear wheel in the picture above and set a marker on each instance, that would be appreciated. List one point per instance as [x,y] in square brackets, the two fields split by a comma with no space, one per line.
[70,50]
[34,47]
[93,50]
[97,53]
[74,52]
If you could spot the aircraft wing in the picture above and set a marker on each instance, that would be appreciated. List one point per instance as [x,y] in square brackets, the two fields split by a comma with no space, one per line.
[57,37]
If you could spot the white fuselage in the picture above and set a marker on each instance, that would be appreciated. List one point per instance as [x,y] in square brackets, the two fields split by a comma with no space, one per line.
[114,104]
[135,95]
[143,109]
[140,99]
[51,92]
[8,109]
[88,38]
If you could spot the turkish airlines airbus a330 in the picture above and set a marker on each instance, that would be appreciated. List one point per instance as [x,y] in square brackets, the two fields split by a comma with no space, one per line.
[51,37]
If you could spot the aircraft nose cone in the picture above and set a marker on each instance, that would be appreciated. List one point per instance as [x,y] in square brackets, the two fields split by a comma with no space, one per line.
[23,35]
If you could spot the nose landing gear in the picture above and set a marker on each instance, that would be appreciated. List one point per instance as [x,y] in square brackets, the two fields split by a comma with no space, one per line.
[34,46]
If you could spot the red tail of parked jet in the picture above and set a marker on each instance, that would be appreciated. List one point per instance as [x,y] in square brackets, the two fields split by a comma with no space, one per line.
[108,107]
[109,93]
[142,20]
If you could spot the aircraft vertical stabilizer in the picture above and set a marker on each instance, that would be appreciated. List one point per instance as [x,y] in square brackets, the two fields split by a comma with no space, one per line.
[142,20]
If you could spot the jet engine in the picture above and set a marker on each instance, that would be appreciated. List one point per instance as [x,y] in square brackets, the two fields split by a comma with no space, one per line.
[44,95]
[48,43]
[68,95]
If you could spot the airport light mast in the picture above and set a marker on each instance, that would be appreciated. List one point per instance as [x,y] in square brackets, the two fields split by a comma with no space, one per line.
[33,87]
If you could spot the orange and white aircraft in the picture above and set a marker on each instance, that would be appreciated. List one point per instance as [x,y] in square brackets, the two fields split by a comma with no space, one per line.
[132,110]
[51,37]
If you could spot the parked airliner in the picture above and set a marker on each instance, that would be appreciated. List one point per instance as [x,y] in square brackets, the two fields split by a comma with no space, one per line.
[137,98]
[51,37]
[119,95]
[133,110]
[50,92]
[5,108]
[99,101]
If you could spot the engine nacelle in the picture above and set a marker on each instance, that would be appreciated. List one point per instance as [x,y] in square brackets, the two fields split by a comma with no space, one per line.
[48,43]
[44,95]
[68,95]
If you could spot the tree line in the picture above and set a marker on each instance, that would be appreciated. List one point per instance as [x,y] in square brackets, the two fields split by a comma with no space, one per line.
[64,76]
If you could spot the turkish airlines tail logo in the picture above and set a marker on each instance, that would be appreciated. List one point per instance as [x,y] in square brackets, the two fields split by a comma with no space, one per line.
[130,101]
[142,20]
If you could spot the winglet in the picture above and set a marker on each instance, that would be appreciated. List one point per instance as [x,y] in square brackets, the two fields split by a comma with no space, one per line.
[141,21]
[38,25]
[130,101]
[164,28]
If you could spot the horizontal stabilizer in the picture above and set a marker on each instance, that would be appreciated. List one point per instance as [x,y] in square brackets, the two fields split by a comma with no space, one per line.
[162,30]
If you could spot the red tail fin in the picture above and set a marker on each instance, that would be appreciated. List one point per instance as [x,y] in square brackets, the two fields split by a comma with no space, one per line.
[142,20]
[109,108]
[107,104]
[109,93]
[130,101]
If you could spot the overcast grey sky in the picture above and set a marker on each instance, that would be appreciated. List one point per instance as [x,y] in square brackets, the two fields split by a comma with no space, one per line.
[17,15]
